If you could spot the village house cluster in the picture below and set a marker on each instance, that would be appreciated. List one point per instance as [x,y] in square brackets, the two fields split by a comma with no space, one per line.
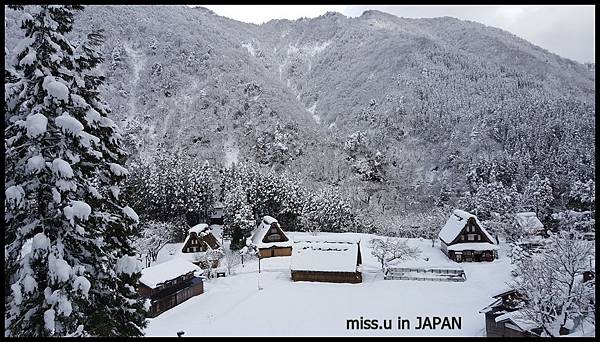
[337,259]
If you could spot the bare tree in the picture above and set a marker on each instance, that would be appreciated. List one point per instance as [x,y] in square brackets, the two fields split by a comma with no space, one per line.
[154,237]
[231,259]
[556,297]
[392,249]
[211,259]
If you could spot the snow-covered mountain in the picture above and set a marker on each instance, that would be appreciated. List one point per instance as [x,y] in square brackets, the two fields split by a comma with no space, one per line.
[425,99]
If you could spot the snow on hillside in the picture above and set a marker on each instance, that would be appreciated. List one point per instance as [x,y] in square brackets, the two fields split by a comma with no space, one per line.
[234,306]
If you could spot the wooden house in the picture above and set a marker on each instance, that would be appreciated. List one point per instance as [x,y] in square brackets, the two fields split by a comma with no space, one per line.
[168,284]
[199,241]
[463,238]
[529,224]
[327,259]
[504,319]
[270,239]
[216,215]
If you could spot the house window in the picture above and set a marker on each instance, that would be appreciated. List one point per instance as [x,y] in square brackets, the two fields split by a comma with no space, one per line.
[462,238]
[471,237]
[477,238]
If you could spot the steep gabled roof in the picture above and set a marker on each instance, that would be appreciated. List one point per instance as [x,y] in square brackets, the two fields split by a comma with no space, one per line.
[456,223]
[203,232]
[529,221]
[259,234]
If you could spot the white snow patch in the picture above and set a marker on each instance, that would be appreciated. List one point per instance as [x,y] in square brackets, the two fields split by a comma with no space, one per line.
[29,284]
[64,306]
[15,194]
[250,48]
[92,116]
[29,58]
[92,190]
[158,274]
[16,292]
[55,89]
[78,101]
[87,139]
[81,283]
[62,168]
[21,46]
[231,152]
[36,124]
[128,265]
[118,170]
[315,116]
[40,241]
[58,269]
[131,213]
[318,48]
[115,191]
[56,196]
[67,123]
[78,209]
[35,164]
[49,319]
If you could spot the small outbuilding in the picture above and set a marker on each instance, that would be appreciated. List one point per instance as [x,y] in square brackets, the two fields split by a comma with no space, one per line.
[503,317]
[327,259]
[169,284]
[463,238]
[270,239]
[529,224]
[216,215]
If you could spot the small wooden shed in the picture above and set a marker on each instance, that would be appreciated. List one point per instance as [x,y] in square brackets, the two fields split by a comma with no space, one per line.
[504,319]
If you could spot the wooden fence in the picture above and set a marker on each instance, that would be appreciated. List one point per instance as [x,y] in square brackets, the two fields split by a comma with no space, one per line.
[428,274]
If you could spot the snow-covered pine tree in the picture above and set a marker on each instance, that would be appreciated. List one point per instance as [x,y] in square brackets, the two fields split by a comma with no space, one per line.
[538,196]
[238,220]
[63,161]
[123,311]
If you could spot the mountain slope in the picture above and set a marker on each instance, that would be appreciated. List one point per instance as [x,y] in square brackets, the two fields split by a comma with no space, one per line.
[435,97]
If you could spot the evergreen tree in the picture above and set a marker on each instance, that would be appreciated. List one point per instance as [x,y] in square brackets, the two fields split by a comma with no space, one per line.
[538,196]
[238,221]
[63,164]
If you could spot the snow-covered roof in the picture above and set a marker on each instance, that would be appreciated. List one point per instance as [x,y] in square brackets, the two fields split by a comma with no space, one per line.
[262,229]
[218,204]
[198,228]
[497,302]
[504,291]
[472,246]
[518,319]
[456,223]
[325,255]
[205,233]
[169,270]
[269,219]
[529,220]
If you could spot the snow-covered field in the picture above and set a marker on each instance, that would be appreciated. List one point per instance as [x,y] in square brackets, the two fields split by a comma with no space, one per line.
[235,306]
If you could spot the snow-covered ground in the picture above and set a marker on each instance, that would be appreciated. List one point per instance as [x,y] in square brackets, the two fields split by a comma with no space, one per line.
[235,306]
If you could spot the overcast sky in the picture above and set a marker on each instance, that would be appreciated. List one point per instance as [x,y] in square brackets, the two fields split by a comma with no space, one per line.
[565,30]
